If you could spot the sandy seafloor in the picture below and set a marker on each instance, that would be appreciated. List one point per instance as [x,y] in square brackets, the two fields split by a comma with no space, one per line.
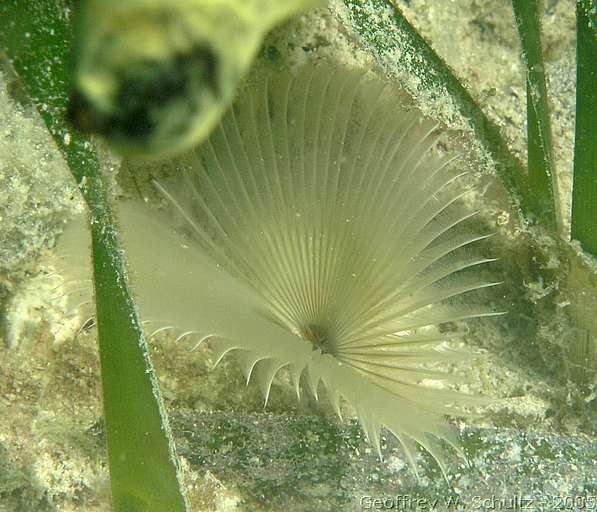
[537,444]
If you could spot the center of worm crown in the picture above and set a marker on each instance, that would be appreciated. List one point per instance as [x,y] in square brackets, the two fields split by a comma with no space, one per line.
[319,336]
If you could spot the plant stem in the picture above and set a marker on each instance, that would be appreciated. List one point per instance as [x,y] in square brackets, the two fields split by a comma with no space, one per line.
[145,475]
[539,141]
[584,193]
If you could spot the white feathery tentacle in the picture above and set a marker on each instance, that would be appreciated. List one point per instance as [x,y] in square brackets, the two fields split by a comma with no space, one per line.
[73,267]
[183,335]
[325,237]
[265,372]
[159,330]
[295,372]
[200,342]
[247,362]
[220,349]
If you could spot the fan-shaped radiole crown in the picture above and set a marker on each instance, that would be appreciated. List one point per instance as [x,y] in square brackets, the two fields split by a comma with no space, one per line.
[325,237]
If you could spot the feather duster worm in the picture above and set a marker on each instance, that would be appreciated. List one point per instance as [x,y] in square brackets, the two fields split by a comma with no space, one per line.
[325,238]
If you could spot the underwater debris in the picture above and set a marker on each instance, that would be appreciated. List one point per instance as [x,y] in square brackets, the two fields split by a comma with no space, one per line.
[323,236]
[154,78]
